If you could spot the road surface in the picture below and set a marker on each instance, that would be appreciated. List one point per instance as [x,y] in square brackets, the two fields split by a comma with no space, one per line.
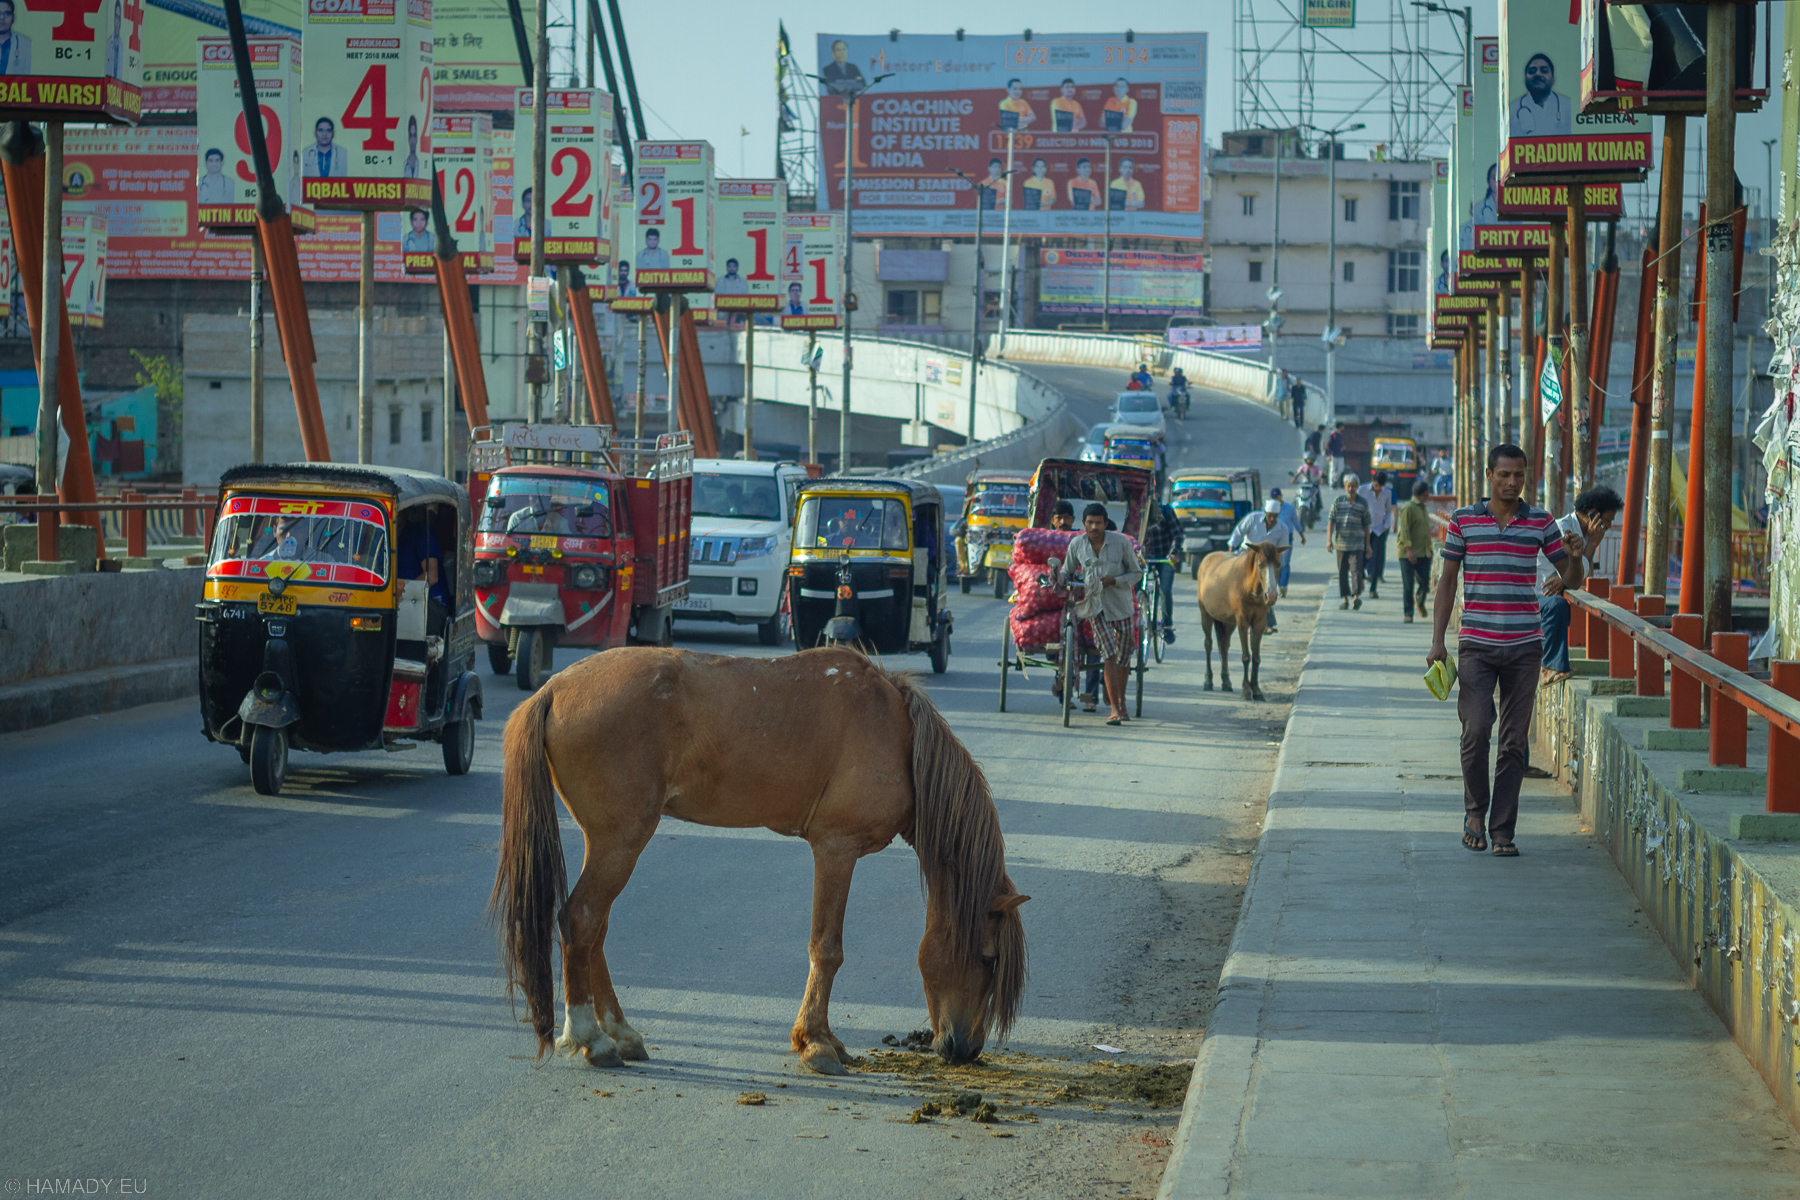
[221,994]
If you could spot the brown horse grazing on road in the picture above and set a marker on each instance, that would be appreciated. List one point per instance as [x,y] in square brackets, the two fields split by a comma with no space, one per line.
[823,745]
[1237,591]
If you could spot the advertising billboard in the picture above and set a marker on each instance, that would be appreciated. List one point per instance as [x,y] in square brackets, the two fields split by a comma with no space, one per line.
[624,295]
[1217,338]
[73,60]
[1144,283]
[747,222]
[1652,58]
[462,151]
[1438,239]
[172,30]
[578,146]
[1480,190]
[1527,200]
[812,271]
[1094,119]
[226,173]
[1546,138]
[84,268]
[675,193]
[366,105]
[475,59]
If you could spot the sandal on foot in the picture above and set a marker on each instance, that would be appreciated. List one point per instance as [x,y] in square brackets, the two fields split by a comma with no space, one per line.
[1474,836]
[1537,773]
[1090,706]
[1505,850]
[1115,720]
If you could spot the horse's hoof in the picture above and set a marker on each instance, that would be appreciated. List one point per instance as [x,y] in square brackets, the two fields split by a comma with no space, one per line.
[627,1039]
[603,1056]
[820,1057]
[568,1046]
[1209,685]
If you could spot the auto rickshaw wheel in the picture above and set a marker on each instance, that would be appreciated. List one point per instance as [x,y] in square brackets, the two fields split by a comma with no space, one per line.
[459,745]
[940,650]
[499,661]
[268,760]
[1002,582]
[534,656]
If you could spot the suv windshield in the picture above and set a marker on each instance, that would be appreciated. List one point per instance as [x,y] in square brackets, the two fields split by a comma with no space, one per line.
[553,504]
[1145,403]
[853,523]
[748,497]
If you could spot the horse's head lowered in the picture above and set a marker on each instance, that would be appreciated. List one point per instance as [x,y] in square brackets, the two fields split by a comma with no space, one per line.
[972,988]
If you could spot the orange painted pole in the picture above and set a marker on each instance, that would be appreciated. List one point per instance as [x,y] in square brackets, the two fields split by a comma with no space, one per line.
[465,345]
[1726,740]
[1693,538]
[1600,341]
[24,182]
[693,378]
[1782,793]
[1684,689]
[593,363]
[294,323]
[1638,464]
[1649,662]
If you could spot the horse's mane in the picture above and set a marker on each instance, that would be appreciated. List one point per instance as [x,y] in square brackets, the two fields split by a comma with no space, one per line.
[962,856]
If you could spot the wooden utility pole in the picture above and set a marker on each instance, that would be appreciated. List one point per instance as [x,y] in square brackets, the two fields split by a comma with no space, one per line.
[365,346]
[1530,430]
[1575,396]
[55,315]
[256,349]
[1662,387]
[1638,465]
[1554,478]
[1721,129]
[1505,433]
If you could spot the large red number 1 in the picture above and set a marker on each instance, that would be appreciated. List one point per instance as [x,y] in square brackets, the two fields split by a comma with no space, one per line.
[761,238]
[687,227]
[378,124]
[819,293]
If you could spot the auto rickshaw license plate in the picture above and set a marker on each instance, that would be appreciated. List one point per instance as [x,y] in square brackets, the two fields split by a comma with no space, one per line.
[280,606]
[543,542]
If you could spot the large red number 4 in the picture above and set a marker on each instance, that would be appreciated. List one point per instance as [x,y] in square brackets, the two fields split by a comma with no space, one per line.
[761,238]
[687,227]
[819,294]
[378,125]
[790,268]
[569,204]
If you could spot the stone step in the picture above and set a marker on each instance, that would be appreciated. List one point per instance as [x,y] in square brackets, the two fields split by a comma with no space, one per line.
[1586,668]
[1766,827]
[1722,781]
[1675,739]
[1641,706]
[1612,687]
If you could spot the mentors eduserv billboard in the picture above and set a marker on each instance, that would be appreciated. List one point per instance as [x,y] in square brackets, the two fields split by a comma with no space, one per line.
[1096,122]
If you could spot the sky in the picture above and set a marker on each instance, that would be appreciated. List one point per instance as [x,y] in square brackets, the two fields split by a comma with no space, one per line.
[713,74]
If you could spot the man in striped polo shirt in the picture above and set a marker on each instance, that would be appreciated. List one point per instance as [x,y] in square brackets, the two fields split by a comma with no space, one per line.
[1494,545]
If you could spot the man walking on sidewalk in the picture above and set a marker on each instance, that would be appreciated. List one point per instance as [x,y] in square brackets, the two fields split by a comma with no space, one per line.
[1412,545]
[1334,452]
[1380,499]
[1499,645]
[1347,532]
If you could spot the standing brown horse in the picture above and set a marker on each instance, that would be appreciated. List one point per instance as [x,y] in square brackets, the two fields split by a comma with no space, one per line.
[823,745]
[1236,591]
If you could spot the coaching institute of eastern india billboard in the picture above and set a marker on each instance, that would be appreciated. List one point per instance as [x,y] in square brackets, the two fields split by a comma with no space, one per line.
[1064,98]
[1545,138]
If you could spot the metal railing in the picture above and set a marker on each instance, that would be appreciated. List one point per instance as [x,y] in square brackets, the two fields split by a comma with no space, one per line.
[134,512]
[1618,626]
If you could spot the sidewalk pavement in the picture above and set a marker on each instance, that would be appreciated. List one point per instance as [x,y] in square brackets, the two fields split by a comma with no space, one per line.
[1400,1017]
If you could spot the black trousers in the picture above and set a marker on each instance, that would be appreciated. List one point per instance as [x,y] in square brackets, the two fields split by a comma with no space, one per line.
[1376,567]
[1415,581]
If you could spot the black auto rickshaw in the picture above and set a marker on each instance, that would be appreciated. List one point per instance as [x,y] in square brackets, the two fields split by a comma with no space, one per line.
[993,510]
[310,639]
[868,567]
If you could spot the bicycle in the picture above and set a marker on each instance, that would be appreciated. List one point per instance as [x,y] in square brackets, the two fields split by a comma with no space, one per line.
[1157,606]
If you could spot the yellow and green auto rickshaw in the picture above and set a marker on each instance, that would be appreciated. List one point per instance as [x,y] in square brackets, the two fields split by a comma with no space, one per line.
[1399,457]
[1135,446]
[1209,502]
[869,567]
[993,511]
[312,635]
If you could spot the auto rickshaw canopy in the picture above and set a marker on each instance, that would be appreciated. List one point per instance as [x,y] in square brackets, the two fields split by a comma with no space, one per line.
[867,516]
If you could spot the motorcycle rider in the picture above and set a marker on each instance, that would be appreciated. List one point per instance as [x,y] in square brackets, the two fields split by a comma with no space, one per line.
[1142,376]
[1178,392]
[1309,477]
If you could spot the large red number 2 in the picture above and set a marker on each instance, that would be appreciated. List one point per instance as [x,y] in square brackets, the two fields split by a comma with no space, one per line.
[246,171]
[761,238]
[377,124]
[819,294]
[568,204]
[687,227]
[649,199]
[465,187]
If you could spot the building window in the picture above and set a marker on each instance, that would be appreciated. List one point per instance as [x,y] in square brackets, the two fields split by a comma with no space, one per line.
[1249,199]
[1349,208]
[1403,200]
[427,418]
[990,306]
[1403,325]
[393,427]
[910,306]
[1403,270]
[1349,272]
[1256,270]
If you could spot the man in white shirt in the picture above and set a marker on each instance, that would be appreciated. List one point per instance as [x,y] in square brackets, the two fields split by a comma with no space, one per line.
[214,187]
[1265,526]
[15,47]
[1541,111]
[325,159]
[1380,498]
[1582,530]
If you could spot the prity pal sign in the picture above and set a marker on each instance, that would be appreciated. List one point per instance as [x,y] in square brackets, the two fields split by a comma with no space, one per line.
[1545,138]
[675,230]
[72,60]
[462,147]
[226,172]
[577,174]
[748,224]
[812,269]
[366,106]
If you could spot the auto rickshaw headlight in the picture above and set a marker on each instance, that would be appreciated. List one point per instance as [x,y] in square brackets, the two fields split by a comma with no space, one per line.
[586,576]
[487,572]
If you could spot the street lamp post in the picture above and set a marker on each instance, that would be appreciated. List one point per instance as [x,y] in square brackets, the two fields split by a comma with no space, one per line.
[1106,226]
[1332,338]
[976,288]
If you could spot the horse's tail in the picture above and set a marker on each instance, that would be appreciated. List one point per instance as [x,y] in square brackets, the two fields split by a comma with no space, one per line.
[962,856]
[531,882]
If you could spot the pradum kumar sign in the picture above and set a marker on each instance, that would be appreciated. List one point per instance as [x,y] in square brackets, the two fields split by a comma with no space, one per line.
[366,108]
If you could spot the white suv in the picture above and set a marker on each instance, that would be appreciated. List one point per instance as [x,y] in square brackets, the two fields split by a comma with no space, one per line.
[740,538]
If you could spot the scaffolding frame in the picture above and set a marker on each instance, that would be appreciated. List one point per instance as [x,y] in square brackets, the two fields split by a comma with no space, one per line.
[796,127]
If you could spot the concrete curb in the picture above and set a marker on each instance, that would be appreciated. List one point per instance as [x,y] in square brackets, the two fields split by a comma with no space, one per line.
[38,702]
[1223,1084]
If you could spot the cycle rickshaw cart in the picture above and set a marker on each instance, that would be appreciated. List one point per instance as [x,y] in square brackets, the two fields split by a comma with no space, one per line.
[1042,629]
